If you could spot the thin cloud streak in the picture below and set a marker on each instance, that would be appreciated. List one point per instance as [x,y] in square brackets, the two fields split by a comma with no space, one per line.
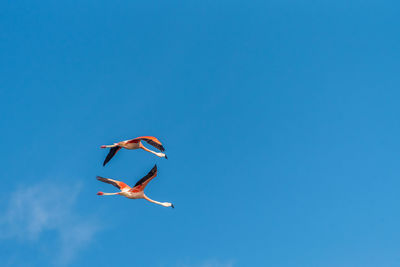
[44,207]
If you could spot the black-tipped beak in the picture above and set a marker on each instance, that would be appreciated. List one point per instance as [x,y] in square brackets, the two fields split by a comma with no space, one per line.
[166,157]
[172,206]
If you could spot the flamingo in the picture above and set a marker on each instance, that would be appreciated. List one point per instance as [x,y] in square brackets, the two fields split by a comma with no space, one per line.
[135,192]
[135,144]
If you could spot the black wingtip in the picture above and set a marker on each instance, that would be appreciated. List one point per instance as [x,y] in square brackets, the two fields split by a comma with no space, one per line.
[154,169]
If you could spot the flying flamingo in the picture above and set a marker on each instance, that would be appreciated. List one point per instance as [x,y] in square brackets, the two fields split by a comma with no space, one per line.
[135,144]
[135,192]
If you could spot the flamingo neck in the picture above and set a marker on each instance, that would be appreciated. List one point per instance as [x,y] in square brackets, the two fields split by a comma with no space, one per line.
[153,152]
[153,201]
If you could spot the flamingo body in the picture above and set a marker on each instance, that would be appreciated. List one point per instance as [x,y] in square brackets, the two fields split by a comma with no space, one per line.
[131,145]
[132,195]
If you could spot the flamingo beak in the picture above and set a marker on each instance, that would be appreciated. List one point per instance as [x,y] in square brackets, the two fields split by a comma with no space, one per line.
[172,206]
[166,157]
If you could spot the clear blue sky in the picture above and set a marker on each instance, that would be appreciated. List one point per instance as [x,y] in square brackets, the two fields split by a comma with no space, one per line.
[280,120]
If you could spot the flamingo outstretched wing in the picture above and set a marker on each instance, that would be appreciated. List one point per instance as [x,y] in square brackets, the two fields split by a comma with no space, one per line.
[118,184]
[142,183]
[111,154]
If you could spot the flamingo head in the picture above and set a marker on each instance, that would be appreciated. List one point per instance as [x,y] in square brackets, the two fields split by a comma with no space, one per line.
[100,193]
[162,155]
[167,204]
[103,146]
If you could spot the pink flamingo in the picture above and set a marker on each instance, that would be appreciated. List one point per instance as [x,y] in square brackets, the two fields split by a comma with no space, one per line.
[135,192]
[135,144]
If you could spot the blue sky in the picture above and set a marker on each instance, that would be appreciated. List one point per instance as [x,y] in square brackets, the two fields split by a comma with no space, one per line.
[279,118]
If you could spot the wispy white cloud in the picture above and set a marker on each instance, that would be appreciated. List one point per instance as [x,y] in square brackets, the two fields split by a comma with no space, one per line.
[48,208]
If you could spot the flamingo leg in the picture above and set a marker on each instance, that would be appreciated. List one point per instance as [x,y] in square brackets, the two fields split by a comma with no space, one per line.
[107,194]
[107,146]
